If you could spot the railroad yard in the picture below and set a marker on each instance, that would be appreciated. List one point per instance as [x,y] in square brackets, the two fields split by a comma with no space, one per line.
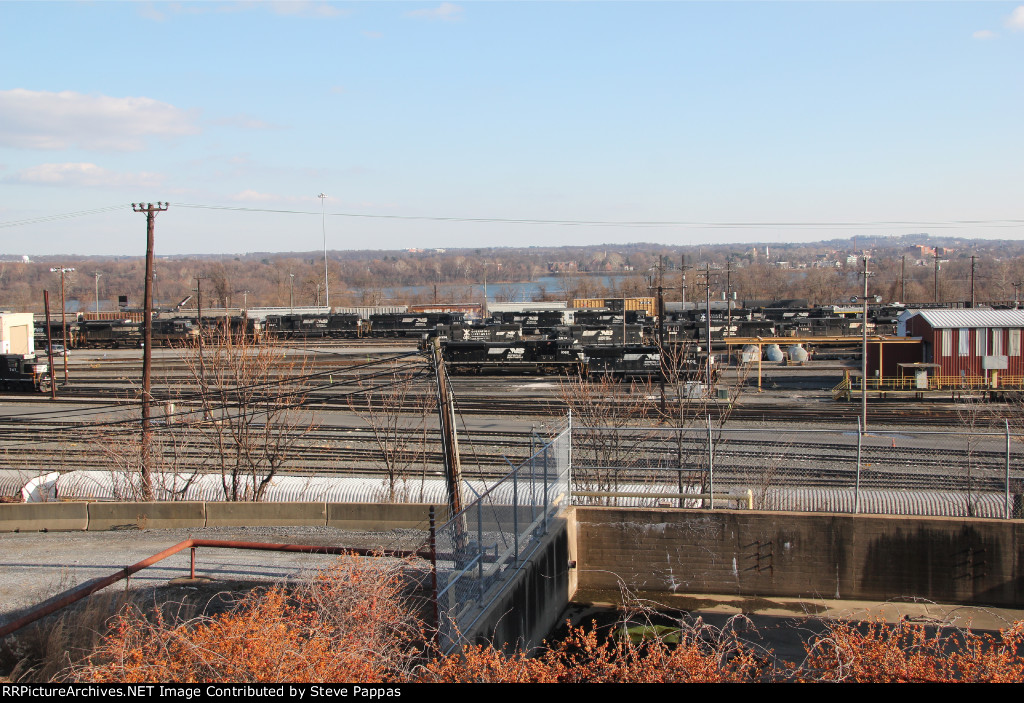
[367,409]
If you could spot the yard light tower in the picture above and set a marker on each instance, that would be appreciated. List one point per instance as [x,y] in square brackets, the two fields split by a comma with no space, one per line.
[864,346]
[323,225]
[63,320]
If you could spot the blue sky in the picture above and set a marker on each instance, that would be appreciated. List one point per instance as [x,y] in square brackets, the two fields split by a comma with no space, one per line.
[717,120]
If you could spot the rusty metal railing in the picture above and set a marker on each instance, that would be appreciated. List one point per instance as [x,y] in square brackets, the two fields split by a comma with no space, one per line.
[79,592]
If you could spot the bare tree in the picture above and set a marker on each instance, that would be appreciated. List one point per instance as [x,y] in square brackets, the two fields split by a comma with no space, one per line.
[602,410]
[251,397]
[397,417]
[170,466]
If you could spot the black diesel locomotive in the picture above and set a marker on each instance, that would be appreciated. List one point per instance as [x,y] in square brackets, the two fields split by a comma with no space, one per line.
[24,372]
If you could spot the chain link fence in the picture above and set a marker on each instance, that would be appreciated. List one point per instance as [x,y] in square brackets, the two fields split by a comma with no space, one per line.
[957,474]
[481,548]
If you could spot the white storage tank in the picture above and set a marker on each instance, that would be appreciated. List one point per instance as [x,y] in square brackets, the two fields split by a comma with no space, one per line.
[797,354]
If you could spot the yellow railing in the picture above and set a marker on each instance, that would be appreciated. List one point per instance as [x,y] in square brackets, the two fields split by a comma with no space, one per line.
[909,383]
[842,390]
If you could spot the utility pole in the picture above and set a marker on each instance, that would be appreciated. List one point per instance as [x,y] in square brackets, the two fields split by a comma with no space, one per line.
[147,342]
[973,301]
[97,274]
[323,224]
[199,318]
[728,297]
[707,323]
[682,281]
[661,328]
[291,292]
[864,349]
[937,275]
[49,344]
[1016,293]
[903,279]
[449,442]
[63,320]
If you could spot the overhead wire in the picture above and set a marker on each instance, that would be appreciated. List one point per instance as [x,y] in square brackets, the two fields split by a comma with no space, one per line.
[130,425]
[569,222]
[198,394]
[625,223]
[62,216]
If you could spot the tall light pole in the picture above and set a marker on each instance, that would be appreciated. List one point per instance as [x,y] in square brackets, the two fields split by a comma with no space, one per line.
[864,347]
[291,292]
[323,225]
[97,274]
[63,323]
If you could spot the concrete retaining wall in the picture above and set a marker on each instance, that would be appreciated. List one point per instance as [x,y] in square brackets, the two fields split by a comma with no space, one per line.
[129,516]
[808,555]
[43,517]
[258,514]
[63,517]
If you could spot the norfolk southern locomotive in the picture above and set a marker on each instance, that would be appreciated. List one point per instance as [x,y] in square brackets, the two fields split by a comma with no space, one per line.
[24,372]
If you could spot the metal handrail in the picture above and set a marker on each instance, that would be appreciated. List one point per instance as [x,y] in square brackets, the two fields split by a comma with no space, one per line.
[79,592]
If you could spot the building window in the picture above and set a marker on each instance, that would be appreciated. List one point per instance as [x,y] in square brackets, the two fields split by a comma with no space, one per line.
[981,342]
[964,345]
[946,342]
[997,342]
[1014,343]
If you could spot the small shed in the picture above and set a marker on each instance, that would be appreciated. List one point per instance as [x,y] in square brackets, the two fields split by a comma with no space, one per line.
[17,333]
[973,347]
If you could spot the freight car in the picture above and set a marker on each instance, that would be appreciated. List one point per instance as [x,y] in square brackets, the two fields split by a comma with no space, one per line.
[23,372]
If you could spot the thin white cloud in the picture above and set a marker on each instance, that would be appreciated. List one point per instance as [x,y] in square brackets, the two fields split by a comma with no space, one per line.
[292,8]
[984,34]
[1016,19]
[372,35]
[243,122]
[301,8]
[446,11]
[31,119]
[83,175]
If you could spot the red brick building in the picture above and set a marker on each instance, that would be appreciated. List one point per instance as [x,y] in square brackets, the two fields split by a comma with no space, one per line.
[976,347]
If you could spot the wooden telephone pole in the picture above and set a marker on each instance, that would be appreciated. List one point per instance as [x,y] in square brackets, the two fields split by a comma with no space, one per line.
[449,437]
[147,343]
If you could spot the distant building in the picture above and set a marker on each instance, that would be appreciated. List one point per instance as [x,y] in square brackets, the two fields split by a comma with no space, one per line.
[970,347]
[562,266]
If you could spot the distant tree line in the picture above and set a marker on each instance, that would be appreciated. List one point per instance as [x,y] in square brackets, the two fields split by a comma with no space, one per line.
[823,273]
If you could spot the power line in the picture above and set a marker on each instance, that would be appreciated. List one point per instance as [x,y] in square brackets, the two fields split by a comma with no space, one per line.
[752,224]
[127,426]
[627,223]
[198,395]
[62,216]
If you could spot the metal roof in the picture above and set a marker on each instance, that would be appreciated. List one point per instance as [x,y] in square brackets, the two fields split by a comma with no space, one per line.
[973,317]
